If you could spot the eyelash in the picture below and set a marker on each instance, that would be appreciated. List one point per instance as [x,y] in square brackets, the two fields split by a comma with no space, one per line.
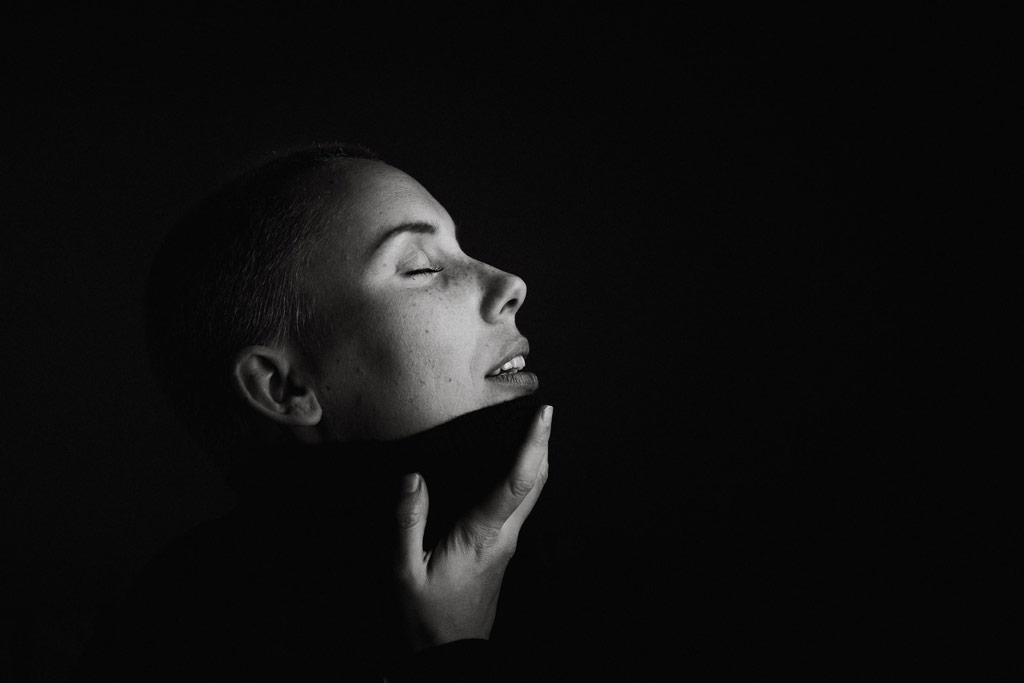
[424,271]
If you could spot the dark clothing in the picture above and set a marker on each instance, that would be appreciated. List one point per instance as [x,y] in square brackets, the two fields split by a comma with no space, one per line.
[292,584]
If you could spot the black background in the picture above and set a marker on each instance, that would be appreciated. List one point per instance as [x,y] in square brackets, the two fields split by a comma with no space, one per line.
[737,246]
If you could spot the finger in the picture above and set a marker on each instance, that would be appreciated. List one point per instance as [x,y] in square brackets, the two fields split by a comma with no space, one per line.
[491,515]
[516,519]
[411,516]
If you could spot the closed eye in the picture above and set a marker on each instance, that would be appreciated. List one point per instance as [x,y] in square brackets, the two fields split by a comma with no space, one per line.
[424,271]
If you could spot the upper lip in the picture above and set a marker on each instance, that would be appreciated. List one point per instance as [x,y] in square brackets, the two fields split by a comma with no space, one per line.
[520,348]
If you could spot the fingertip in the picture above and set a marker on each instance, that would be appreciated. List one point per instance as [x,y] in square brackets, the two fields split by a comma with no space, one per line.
[412,503]
[411,483]
[541,430]
[545,415]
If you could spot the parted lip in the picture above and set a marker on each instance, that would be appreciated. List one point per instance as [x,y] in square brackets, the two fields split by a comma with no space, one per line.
[521,347]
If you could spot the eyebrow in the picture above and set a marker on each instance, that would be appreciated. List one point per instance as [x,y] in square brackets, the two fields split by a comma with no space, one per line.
[417,227]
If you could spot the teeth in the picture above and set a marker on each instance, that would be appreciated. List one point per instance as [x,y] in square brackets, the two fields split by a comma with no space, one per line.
[514,365]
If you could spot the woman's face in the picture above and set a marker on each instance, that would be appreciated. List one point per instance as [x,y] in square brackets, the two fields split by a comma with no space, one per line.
[418,329]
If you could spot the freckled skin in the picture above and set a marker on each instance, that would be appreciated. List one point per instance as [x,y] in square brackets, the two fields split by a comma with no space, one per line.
[408,350]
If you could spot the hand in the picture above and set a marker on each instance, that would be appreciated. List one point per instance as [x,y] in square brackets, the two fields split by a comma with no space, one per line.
[450,592]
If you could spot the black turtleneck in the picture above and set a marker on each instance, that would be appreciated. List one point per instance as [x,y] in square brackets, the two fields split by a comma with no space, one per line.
[290,583]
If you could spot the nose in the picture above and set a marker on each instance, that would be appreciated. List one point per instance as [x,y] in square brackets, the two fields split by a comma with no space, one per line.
[504,293]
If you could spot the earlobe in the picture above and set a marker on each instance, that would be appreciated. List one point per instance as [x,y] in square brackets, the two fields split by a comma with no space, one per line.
[269,381]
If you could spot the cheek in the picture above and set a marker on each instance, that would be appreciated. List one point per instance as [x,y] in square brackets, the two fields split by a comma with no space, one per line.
[437,342]
[399,343]
[412,344]
[432,351]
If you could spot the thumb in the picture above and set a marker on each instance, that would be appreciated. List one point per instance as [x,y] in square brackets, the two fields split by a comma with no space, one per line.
[411,516]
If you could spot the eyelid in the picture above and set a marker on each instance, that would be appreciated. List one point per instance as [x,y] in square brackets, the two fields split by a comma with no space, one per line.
[413,259]
[419,260]
[423,271]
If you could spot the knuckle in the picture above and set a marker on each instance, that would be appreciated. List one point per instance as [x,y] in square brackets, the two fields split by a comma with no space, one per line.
[521,485]
[408,518]
[498,552]
[481,538]
[507,549]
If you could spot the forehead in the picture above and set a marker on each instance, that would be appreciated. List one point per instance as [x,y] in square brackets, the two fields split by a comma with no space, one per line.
[368,197]
[364,199]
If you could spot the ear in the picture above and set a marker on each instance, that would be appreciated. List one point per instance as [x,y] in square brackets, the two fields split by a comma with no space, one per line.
[271,381]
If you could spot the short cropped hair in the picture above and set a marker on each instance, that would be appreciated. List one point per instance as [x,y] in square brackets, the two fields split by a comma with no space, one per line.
[229,275]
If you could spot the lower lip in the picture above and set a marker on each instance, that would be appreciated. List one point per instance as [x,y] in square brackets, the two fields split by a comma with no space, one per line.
[523,380]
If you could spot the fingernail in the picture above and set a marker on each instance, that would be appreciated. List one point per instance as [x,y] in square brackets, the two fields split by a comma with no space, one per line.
[411,483]
[545,414]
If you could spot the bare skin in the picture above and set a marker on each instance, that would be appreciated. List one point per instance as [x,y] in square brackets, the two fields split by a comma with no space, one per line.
[451,592]
[421,333]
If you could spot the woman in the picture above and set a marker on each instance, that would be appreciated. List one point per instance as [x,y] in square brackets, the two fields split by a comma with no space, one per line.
[327,341]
